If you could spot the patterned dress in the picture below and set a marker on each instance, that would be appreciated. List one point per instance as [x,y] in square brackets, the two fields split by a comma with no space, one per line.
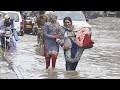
[51,46]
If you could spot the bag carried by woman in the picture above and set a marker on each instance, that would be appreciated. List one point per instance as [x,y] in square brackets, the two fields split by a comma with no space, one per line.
[83,38]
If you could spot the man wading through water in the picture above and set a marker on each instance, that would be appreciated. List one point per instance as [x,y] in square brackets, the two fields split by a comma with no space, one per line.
[41,20]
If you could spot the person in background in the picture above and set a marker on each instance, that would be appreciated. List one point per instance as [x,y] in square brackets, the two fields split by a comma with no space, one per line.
[41,20]
[9,24]
[35,27]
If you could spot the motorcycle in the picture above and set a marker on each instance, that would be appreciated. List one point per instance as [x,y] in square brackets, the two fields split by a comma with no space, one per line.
[9,39]
[6,39]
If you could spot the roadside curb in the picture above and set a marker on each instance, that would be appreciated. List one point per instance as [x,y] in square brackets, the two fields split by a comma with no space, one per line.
[11,66]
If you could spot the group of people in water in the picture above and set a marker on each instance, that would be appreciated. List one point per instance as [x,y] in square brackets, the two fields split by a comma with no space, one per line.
[54,35]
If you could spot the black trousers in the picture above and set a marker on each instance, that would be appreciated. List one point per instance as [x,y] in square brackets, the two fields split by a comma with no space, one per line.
[71,66]
[2,41]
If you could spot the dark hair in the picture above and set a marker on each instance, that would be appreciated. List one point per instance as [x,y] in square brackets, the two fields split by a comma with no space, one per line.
[67,18]
[41,12]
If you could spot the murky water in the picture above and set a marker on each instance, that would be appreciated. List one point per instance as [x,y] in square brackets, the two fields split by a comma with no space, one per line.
[100,62]
[5,71]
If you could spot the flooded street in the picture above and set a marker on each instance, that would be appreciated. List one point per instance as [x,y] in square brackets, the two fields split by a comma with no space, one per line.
[100,62]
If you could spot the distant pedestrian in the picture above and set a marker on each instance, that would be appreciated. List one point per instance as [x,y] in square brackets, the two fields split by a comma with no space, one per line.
[104,13]
[9,24]
[41,20]
[35,27]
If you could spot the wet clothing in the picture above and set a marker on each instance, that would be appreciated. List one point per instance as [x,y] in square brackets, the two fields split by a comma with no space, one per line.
[51,46]
[47,58]
[71,66]
[73,53]
[40,23]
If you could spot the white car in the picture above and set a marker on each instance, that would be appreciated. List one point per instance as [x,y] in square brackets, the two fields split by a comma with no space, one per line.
[17,18]
[78,18]
[113,13]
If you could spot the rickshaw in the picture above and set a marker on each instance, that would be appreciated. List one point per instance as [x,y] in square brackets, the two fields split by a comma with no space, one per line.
[27,25]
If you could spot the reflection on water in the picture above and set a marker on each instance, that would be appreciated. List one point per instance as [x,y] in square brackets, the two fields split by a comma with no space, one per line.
[71,75]
[51,73]
[60,74]
[38,51]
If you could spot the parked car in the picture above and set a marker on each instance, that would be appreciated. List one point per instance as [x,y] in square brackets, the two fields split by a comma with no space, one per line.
[28,25]
[1,15]
[16,16]
[78,18]
[111,13]
[90,14]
